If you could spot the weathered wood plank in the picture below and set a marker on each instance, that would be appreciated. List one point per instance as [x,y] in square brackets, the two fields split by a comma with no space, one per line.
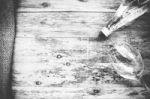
[54,53]
[53,48]
[57,50]
[55,63]
[111,92]
[61,24]
[43,46]
[32,54]
[69,5]
[64,24]
[47,82]
[77,55]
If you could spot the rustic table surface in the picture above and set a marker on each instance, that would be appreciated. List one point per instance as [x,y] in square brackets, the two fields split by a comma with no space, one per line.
[55,59]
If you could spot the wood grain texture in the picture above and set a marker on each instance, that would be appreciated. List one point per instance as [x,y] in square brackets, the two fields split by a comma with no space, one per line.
[72,24]
[61,24]
[52,60]
[56,59]
[57,52]
[49,66]
[69,5]
[77,93]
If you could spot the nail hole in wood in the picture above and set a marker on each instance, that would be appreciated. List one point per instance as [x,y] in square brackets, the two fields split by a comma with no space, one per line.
[38,83]
[68,64]
[95,91]
[59,56]
[83,0]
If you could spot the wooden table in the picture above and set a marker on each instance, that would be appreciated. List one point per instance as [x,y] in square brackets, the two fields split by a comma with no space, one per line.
[55,58]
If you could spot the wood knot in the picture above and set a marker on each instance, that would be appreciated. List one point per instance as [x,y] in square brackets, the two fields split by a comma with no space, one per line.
[59,56]
[83,0]
[45,4]
[94,91]
[133,93]
[42,22]
[38,83]
[68,64]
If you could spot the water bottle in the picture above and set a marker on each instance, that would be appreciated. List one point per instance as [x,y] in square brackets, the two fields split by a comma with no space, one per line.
[128,11]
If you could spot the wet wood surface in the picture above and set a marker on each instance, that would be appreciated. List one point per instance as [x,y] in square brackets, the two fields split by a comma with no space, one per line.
[56,59]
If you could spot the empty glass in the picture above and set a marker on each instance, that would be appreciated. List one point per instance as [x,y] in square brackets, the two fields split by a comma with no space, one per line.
[127,60]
